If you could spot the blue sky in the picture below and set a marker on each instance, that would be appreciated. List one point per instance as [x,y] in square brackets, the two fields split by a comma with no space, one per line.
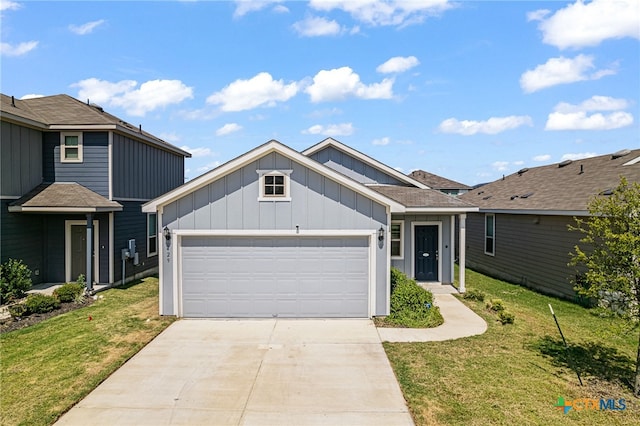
[468,90]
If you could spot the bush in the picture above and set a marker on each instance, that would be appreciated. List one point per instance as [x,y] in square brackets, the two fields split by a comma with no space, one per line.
[68,292]
[474,294]
[40,303]
[506,317]
[412,305]
[15,280]
[496,305]
[17,311]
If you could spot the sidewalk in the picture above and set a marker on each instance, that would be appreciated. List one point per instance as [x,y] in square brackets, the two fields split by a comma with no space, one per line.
[459,321]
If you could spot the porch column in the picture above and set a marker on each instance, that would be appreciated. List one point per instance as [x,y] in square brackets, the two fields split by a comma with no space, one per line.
[462,250]
[89,278]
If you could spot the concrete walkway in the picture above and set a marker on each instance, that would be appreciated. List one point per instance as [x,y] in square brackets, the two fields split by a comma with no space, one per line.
[459,321]
[252,372]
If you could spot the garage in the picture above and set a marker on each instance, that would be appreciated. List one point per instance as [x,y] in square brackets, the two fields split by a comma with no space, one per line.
[275,276]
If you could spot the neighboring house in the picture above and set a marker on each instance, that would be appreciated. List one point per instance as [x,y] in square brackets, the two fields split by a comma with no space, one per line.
[73,178]
[440,183]
[280,233]
[521,232]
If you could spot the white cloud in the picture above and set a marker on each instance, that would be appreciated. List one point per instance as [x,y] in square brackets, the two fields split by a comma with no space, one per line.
[595,103]
[228,128]
[261,90]
[383,13]
[342,83]
[149,96]
[208,167]
[32,96]
[588,24]
[491,126]
[578,156]
[561,71]
[9,5]
[398,64]
[542,157]
[500,166]
[344,129]
[86,28]
[247,6]
[197,152]
[317,27]
[381,141]
[537,15]
[170,137]
[567,116]
[20,49]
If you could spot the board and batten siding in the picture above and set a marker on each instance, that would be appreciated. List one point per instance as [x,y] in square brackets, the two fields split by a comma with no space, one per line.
[131,223]
[530,250]
[355,168]
[317,203]
[20,159]
[92,172]
[142,171]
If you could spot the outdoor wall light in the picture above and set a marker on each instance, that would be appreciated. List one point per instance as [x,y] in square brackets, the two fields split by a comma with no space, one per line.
[381,234]
[167,234]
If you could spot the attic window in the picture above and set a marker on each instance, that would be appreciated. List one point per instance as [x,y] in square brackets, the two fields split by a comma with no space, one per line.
[71,147]
[274,185]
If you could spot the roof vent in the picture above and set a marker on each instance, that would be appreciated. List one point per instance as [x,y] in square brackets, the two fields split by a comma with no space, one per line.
[513,197]
[607,192]
[487,197]
[565,163]
[523,171]
[481,192]
[96,106]
[527,195]
[620,153]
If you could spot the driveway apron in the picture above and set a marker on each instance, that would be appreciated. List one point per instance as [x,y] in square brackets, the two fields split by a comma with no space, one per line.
[252,372]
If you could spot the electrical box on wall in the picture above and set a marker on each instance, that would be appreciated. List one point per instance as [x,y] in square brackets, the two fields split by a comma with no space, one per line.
[132,247]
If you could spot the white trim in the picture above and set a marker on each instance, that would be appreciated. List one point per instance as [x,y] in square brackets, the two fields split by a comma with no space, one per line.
[111,249]
[452,244]
[413,246]
[67,248]
[442,210]
[141,200]
[365,159]
[63,209]
[157,236]
[388,271]
[463,256]
[10,197]
[287,185]
[110,167]
[631,162]
[402,240]
[178,234]
[251,156]
[63,147]
[537,212]
[484,236]
[161,251]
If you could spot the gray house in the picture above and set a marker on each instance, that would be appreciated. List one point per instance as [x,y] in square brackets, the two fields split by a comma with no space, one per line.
[73,178]
[281,233]
[521,232]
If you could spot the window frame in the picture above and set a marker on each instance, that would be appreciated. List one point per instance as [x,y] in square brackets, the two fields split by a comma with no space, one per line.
[64,147]
[400,240]
[149,236]
[487,236]
[262,196]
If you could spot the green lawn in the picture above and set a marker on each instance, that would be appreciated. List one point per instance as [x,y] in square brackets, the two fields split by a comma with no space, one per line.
[48,367]
[514,374]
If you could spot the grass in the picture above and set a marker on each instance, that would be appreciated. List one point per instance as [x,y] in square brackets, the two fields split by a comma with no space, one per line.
[50,366]
[514,374]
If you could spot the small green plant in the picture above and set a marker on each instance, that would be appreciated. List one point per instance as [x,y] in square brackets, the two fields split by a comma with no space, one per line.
[81,280]
[15,280]
[496,305]
[68,292]
[474,294]
[506,317]
[412,305]
[40,303]
[17,310]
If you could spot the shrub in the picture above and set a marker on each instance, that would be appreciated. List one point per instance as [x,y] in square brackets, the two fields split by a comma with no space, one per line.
[496,305]
[17,311]
[40,303]
[506,317]
[396,277]
[15,280]
[68,292]
[474,294]
[412,305]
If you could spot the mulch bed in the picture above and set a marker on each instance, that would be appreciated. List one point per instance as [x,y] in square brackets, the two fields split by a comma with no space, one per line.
[11,324]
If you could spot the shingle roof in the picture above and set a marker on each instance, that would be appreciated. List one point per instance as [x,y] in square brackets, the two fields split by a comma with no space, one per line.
[437,182]
[420,198]
[63,196]
[566,186]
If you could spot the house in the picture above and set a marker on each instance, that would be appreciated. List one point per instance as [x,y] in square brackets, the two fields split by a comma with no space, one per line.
[281,233]
[521,232]
[73,178]
[440,183]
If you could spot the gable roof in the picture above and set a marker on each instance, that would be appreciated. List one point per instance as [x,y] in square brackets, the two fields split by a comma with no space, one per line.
[59,197]
[256,153]
[561,188]
[364,158]
[435,181]
[62,112]
[424,200]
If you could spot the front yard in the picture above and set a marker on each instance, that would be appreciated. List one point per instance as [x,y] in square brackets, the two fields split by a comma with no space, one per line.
[515,373]
[48,367]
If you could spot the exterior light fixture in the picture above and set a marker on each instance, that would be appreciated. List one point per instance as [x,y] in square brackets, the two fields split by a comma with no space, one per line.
[167,234]
[381,234]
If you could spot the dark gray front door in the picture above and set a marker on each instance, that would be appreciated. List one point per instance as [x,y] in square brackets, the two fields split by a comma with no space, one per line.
[426,255]
[78,250]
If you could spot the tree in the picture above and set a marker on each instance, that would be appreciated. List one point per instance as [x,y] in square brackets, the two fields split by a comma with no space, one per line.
[610,254]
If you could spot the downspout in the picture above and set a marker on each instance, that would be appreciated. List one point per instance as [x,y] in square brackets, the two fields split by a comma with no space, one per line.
[89,278]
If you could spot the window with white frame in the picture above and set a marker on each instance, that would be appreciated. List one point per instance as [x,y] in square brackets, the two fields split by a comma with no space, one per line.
[152,234]
[71,147]
[397,246]
[274,185]
[489,234]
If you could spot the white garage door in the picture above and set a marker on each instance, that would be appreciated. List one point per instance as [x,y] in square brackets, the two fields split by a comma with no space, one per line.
[256,277]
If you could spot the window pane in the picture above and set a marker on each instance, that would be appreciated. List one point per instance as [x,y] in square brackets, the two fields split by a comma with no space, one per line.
[489,226]
[268,180]
[395,231]
[489,245]
[71,153]
[152,225]
[268,190]
[279,190]
[395,248]
[153,244]
[279,180]
[71,141]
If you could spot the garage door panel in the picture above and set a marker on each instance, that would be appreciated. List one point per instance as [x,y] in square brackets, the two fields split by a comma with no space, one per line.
[283,277]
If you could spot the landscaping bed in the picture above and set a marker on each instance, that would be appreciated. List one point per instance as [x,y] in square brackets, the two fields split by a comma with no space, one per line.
[11,324]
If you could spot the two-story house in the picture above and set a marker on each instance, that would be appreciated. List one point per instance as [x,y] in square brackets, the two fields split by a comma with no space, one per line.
[73,178]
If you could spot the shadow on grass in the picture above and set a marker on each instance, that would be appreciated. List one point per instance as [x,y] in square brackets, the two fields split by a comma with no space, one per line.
[591,358]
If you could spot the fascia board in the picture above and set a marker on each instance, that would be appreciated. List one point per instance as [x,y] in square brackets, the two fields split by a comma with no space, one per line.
[538,212]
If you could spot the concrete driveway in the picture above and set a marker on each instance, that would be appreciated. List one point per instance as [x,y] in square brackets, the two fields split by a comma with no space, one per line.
[252,372]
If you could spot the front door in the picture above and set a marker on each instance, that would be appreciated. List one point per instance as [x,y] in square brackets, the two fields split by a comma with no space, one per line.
[78,251]
[426,252]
